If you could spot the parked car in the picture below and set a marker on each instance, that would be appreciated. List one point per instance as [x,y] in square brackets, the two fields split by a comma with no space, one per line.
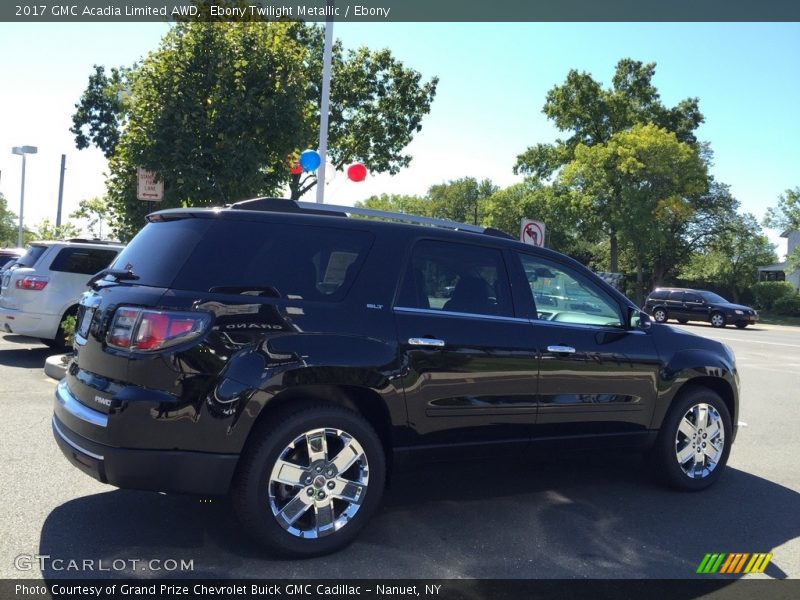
[684,305]
[46,284]
[291,356]
[8,256]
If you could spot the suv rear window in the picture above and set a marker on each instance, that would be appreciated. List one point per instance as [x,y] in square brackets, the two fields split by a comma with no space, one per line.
[86,261]
[246,257]
[30,258]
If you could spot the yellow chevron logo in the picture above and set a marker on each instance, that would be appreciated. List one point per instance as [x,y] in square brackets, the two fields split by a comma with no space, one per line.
[734,562]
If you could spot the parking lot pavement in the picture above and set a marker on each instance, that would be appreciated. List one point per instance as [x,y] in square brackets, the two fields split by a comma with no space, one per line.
[586,515]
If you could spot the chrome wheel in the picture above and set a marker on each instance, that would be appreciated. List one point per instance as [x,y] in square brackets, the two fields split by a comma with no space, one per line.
[718,320]
[318,483]
[660,315]
[700,441]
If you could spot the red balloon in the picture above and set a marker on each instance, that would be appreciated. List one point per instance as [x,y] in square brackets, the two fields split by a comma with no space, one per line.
[357,172]
[296,169]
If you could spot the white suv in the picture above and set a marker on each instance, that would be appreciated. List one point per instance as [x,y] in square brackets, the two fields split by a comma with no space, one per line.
[46,284]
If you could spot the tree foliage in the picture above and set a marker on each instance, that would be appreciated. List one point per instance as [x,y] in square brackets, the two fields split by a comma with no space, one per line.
[732,257]
[786,215]
[8,224]
[47,230]
[95,211]
[219,110]
[463,200]
[592,115]
[635,182]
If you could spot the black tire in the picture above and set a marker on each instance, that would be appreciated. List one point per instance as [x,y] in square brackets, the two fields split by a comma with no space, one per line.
[670,443]
[60,343]
[683,321]
[258,499]
[660,315]
[717,319]
[742,325]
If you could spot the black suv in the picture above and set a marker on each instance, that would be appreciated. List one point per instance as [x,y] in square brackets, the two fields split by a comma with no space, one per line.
[686,305]
[291,354]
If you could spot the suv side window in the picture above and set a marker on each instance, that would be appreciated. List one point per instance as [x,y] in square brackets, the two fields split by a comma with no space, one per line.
[690,297]
[455,277]
[566,296]
[85,261]
[676,297]
[661,295]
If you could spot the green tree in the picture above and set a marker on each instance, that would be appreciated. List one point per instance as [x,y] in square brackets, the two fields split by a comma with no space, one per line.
[414,205]
[786,217]
[732,258]
[8,224]
[593,115]
[568,229]
[95,211]
[46,230]
[637,180]
[461,200]
[219,109]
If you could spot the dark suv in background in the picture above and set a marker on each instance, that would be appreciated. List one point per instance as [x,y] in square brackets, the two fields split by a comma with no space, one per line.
[291,355]
[686,305]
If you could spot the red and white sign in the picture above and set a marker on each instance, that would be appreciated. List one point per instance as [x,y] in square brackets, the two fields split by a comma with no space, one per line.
[532,232]
[147,188]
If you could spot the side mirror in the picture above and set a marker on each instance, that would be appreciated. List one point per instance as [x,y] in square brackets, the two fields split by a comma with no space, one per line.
[640,320]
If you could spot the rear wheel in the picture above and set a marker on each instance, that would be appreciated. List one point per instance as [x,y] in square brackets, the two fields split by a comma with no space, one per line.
[660,315]
[60,342]
[694,441]
[717,319]
[311,482]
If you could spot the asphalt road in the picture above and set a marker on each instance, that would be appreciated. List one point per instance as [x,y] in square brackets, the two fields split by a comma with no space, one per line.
[584,516]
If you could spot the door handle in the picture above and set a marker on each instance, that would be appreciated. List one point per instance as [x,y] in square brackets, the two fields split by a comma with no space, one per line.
[431,342]
[561,349]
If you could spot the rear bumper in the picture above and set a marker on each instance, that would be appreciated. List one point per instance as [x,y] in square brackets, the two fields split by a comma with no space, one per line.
[157,470]
[29,324]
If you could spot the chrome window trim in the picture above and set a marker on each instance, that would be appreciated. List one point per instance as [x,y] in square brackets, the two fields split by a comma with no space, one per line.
[76,409]
[73,444]
[450,313]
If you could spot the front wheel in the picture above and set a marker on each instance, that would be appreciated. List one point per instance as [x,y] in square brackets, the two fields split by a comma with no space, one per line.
[694,441]
[717,320]
[660,315]
[311,482]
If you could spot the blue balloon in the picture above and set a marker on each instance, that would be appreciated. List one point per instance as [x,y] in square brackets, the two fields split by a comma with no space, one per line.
[310,160]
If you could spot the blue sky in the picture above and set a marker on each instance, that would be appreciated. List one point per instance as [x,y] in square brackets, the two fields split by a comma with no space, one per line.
[493,81]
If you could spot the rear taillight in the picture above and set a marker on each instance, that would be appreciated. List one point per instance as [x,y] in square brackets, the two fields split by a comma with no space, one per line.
[32,282]
[148,330]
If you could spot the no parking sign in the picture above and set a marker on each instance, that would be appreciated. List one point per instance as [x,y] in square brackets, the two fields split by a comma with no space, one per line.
[532,232]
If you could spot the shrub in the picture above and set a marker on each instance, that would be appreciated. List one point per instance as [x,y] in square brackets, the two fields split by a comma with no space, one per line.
[788,305]
[766,293]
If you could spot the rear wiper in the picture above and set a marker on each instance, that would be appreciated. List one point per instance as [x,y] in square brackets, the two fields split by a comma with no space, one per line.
[118,274]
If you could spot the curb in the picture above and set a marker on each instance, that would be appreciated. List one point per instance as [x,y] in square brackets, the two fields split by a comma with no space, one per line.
[55,367]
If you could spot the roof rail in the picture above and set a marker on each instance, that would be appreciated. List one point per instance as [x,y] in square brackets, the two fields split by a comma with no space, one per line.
[293,206]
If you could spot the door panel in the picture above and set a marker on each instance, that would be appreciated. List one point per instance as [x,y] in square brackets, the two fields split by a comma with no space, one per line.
[471,364]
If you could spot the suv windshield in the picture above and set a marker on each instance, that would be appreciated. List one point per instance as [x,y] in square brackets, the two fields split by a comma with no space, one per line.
[31,256]
[712,297]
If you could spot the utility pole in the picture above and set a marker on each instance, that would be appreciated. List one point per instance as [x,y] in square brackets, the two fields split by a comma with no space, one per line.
[61,189]
[324,105]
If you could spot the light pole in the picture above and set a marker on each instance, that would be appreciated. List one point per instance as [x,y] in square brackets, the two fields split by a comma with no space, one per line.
[326,91]
[22,151]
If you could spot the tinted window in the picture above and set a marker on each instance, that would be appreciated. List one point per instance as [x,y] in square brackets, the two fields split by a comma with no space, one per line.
[712,297]
[565,295]
[659,295]
[31,256]
[86,261]
[690,297]
[159,250]
[676,296]
[456,278]
[288,261]
[4,260]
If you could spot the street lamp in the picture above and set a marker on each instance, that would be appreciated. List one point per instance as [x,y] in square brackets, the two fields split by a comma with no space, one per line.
[22,151]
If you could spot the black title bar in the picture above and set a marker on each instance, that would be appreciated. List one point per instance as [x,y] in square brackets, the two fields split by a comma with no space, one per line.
[400,10]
